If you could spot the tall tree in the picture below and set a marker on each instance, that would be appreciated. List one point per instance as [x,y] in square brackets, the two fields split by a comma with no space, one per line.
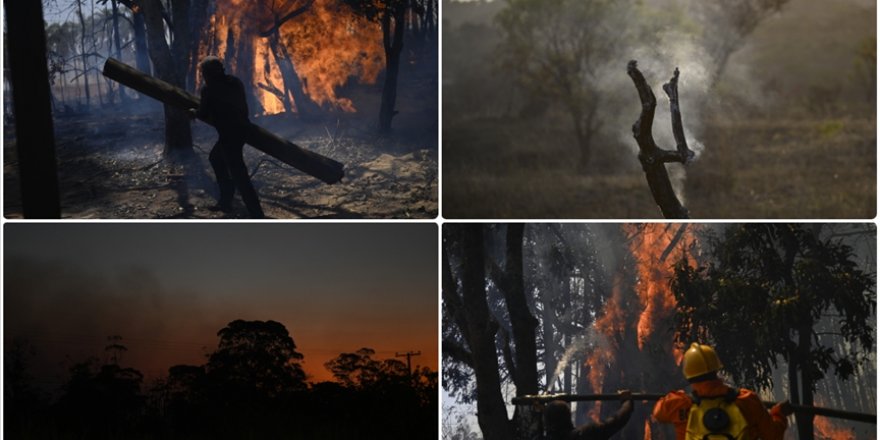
[391,14]
[732,22]
[554,49]
[178,131]
[292,82]
[258,358]
[34,136]
[771,285]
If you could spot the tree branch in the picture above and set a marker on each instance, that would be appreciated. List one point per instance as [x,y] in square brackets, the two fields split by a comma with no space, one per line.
[292,14]
[671,89]
[457,352]
[652,157]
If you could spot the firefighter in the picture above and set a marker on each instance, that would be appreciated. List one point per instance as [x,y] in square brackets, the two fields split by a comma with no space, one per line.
[557,421]
[716,410]
[223,103]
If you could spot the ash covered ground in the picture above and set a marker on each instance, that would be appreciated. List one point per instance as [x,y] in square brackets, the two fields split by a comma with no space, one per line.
[111,165]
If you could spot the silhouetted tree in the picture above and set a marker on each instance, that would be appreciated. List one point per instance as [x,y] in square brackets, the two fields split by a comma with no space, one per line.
[258,357]
[391,14]
[101,401]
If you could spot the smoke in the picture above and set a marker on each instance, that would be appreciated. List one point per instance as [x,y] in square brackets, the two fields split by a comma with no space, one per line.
[590,341]
[67,311]
[658,53]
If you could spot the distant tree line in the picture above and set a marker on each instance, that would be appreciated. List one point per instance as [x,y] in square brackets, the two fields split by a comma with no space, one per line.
[252,386]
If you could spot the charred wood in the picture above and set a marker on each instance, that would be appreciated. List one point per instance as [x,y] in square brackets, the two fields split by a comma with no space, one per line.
[652,157]
[321,167]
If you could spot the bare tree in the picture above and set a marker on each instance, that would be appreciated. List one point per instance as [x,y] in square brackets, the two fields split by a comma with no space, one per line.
[652,157]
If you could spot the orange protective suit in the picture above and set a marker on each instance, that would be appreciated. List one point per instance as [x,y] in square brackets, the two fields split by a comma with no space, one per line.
[675,407]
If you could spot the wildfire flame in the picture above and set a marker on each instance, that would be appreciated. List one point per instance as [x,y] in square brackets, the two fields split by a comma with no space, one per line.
[655,247]
[328,45]
[654,251]
[825,430]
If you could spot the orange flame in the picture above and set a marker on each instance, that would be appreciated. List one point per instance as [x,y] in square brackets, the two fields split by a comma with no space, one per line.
[654,252]
[647,430]
[328,45]
[654,259]
[825,430]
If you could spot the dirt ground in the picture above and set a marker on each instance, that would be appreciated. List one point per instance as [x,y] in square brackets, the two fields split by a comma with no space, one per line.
[805,167]
[111,165]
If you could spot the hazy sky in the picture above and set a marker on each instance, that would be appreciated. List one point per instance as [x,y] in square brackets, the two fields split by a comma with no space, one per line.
[168,288]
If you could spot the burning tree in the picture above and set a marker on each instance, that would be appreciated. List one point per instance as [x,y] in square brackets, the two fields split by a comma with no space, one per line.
[776,286]
[294,54]
[540,308]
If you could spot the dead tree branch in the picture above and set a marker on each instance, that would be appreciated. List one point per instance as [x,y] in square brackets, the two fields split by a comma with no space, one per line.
[652,157]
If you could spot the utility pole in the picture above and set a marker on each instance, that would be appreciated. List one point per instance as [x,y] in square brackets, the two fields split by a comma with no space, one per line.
[409,356]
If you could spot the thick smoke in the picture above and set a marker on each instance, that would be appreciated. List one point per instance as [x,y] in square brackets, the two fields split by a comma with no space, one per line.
[66,312]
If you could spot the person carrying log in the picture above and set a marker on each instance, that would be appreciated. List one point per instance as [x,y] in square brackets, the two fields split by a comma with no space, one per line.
[223,103]
[715,410]
[557,421]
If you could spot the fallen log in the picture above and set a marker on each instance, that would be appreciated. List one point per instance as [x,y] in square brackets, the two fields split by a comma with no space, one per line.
[311,163]
[813,410]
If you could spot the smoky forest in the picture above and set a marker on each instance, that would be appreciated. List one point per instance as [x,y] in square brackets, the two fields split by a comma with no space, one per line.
[770,105]
[341,97]
[538,312]
[251,386]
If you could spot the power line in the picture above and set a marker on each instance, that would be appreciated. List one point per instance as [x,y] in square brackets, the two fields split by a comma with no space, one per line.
[409,356]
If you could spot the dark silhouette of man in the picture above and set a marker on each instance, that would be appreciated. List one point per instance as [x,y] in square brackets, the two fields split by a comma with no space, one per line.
[224,105]
[558,424]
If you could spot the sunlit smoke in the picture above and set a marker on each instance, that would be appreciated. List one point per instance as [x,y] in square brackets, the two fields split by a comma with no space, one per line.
[578,345]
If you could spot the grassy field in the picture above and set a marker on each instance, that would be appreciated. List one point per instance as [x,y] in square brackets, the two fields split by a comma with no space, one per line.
[798,167]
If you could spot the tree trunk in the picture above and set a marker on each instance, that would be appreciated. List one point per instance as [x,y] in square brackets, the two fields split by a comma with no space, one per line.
[178,134]
[34,136]
[117,42]
[522,321]
[392,38]
[82,48]
[805,421]
[491,409]
[180,46]
[142,60]
[94,49]
[198,17]
[292,82]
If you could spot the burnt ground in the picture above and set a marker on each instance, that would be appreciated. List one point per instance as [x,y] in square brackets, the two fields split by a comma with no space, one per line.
[111,165]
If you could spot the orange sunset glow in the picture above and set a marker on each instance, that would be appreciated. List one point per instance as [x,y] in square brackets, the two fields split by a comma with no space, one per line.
[168,289]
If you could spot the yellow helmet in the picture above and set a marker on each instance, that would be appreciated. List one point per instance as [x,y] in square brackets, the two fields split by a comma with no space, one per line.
[700,360]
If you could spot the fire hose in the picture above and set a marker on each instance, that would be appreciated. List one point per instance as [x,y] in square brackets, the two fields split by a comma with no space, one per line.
[798,409]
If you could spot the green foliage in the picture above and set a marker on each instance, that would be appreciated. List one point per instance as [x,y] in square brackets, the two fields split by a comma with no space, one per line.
[767,287]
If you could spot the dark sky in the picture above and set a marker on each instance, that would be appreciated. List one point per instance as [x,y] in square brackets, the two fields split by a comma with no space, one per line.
[168,288]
